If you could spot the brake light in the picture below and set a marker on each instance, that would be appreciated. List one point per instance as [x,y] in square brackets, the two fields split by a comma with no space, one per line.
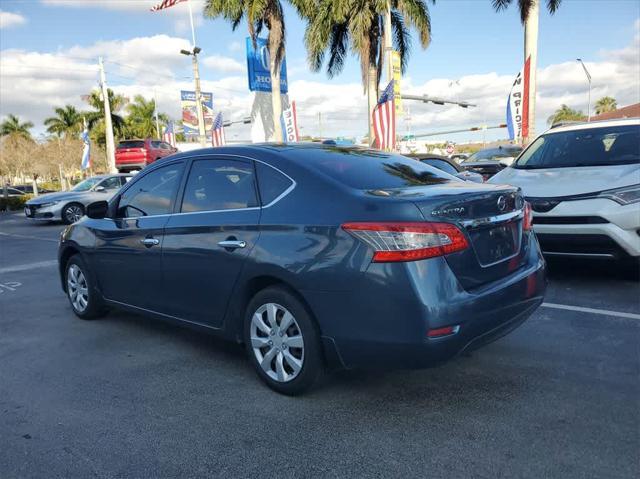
[440,332]
[527,221]
[408,241]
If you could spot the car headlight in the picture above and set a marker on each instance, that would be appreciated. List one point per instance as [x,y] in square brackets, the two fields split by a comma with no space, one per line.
[46,205]
[624,196]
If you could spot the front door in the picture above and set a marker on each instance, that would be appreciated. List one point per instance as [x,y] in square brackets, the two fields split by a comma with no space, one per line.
[129,247]
[207,243]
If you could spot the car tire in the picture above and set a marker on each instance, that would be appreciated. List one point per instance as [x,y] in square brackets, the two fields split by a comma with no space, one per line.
[72,211]
[82,294]
[292,368]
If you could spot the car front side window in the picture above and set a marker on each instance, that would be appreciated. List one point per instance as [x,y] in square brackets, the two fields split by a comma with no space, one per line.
[152,194]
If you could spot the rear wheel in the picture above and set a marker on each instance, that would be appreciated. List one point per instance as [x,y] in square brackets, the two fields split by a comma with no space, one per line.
[83,296]
[72,213]
[282,341]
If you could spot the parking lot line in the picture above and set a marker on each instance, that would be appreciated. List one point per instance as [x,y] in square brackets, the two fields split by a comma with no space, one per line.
[11,235]
[26,267]
[581,309]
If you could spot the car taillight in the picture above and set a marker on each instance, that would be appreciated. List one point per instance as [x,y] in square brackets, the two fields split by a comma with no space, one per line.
[408,241]
[527,221]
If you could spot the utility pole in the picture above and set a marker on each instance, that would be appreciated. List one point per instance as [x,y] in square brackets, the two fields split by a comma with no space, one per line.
[589,80]
[320,124]
[196,78]
[111,146]
[531,51]
[155,111]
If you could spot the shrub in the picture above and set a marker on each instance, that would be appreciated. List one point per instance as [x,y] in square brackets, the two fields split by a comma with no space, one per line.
[13,202]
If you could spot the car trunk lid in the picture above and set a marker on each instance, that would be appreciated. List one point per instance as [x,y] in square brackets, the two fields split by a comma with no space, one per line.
[492,219]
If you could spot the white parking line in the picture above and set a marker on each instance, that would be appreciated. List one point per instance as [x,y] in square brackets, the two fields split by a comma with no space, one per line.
[26,267]
[11,235]
[580,309]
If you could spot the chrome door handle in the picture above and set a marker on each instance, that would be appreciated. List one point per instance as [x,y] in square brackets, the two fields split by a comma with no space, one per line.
[150,241]
[231,244]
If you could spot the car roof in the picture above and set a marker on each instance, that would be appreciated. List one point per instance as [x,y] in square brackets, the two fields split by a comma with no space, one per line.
[594,124]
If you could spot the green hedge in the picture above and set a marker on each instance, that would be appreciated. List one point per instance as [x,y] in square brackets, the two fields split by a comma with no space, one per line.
[13,202]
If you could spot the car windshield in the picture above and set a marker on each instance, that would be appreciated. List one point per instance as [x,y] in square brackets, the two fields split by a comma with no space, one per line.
[371,170]
[615,145]
[86,185]
[131,144]
[493,154]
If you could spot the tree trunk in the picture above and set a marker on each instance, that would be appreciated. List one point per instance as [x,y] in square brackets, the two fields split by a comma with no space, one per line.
[372,97]
[276,101]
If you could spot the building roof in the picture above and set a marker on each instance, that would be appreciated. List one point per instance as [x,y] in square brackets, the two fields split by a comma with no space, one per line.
[629,111]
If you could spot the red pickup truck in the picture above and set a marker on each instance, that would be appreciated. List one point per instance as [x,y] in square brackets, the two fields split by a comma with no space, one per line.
[136,154]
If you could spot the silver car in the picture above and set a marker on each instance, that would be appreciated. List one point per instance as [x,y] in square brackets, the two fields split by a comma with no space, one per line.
[69,206]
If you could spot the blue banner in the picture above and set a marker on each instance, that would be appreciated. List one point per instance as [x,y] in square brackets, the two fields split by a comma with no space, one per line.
[258,67]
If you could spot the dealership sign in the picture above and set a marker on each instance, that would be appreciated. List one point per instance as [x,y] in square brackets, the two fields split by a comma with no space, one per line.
[258,60]
[289,122]
[518,105]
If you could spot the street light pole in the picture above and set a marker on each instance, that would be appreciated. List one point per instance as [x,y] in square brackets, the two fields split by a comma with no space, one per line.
[196,79]
[111,145]
[589,80]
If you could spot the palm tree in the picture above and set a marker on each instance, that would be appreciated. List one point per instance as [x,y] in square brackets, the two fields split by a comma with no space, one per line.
[141,120]
[564,113]
[605,104]
[116,102]
[258,14]
[68,121]
[12,126]
[529,13]
[337,26]
[525,6]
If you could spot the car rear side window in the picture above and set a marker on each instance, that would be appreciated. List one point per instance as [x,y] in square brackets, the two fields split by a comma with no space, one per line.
[151,194]
[441,165]
[131,144]
[219,184]
[370,170]
[272,183]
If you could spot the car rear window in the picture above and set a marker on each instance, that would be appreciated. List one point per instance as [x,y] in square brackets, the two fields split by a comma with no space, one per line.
[131,144]
[494,154]
[604,146]
[367,169]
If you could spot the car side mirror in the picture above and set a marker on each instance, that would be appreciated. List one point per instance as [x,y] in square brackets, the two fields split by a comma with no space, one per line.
[100,189]
[97,210]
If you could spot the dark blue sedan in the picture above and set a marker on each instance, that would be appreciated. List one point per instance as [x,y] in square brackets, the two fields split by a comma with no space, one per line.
[313,256]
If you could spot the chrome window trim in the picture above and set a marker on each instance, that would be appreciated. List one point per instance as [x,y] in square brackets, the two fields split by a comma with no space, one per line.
[209,155]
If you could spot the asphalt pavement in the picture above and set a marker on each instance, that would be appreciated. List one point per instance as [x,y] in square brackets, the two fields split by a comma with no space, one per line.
[126,396]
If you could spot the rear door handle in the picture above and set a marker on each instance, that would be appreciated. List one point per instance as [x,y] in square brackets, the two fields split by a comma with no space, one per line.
[148,242]
[232,244]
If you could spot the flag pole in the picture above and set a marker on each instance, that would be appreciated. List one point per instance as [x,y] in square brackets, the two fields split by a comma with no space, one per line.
[193,30]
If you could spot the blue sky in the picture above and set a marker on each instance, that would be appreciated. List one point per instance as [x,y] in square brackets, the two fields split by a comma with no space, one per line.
[469,39]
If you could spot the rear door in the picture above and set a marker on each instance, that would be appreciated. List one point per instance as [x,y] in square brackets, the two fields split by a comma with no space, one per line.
[129,247]
[208,239]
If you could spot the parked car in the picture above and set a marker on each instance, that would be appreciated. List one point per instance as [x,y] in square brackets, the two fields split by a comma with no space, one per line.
[12,191]
[448,166]
[312,256]
[28,189]
[459,157]
[583,183]
[69,206]
[136,154]
[489,161]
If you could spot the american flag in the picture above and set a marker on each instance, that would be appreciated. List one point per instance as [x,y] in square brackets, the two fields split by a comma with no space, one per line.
[217,131]
[384,120]
[169,135]
[166,4]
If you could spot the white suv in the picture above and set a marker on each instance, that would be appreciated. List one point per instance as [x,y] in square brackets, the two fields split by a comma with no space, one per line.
[583,183]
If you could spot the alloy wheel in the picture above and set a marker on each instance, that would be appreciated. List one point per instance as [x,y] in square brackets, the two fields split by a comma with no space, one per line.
[77,288]
[276,340]
[73,213]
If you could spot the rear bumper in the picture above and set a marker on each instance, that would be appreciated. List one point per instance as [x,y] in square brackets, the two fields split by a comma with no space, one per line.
[383,327]
[134,165]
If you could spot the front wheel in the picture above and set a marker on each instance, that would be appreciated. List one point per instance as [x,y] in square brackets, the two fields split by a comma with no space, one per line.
[83,296]
[282,341]
[72,213]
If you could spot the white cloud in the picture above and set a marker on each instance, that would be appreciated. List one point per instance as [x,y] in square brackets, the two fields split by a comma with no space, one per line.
[38,82]
[235,47]
[223,64]
[10,19]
